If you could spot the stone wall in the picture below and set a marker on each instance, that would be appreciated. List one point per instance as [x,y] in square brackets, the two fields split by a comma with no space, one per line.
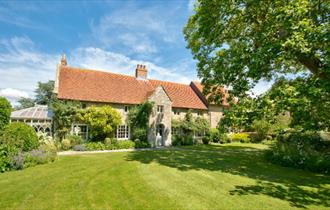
[215,114]
[160,98]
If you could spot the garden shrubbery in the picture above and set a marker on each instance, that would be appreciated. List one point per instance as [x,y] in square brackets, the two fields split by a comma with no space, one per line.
[306,150]
[240,137]
[19,135]
[20,147]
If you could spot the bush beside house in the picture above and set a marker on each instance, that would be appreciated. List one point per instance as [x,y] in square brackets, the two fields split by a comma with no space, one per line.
[20,148]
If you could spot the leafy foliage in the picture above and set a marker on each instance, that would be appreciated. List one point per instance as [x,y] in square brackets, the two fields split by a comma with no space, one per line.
[65,112]
[138,120]
[240,137]
[237,43]
[262,129]
[5,111]
[103,120]
[44,93]
[25,103]
[20,136]
[305,150]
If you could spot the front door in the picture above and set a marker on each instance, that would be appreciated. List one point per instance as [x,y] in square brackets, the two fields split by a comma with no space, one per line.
[159,135]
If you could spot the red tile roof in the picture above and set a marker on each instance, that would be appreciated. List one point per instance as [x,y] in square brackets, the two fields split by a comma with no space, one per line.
[97,86]
[198,87]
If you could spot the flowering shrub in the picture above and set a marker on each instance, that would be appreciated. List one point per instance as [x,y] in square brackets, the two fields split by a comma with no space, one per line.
[305,150]
[240,137]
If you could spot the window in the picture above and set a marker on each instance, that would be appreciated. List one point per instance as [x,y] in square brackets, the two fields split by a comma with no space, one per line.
[126,109]
[160,109]
[176,112]
[80,130]
[199,113]
[122,132]
[83,105]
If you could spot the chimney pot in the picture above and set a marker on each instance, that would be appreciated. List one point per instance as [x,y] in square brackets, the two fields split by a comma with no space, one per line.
[141,71]
[63,60]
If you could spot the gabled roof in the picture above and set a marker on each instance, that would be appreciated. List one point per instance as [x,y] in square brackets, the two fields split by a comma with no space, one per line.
[98,86]
[38,112]
[198,87]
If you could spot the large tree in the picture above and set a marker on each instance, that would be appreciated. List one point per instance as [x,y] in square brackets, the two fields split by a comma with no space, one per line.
[5,111]
[25,103]
[44,92]
[237,43]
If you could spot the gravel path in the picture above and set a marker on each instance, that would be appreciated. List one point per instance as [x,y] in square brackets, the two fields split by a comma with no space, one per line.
[71,152]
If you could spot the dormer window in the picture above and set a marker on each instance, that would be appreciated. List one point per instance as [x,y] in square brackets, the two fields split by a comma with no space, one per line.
[160,109]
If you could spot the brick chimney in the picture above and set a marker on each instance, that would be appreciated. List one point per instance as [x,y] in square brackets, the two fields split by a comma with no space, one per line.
[141,72]
[63,60]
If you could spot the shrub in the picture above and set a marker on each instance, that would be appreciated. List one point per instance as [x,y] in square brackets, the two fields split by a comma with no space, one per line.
[306,150]
[74,139]
[17,161]
[240,137]
[188,140]
[224,138]
[79,147]
[39,156]
[139,133]
[262,129]
[95,146]
[177,140]
[214,135]
[125,144]
[20,135]
[6,153]
[141,144]
[5,110]
[66,144]
[206,140]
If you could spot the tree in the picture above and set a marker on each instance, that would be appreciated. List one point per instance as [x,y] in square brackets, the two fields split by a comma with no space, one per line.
[237,43]
[44,93]
[103,120]
[306,99]
[65,113]
[25,103]
[5,111]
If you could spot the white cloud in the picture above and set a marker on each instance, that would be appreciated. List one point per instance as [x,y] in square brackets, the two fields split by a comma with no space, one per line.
[11,93]
[22,66]
[138,30]
[96,58]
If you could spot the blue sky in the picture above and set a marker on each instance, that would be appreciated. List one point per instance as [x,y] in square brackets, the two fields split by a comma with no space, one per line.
[107,35]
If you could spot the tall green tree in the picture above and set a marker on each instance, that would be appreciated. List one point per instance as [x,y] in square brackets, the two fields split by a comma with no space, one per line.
[65,113]
[25,103]
[5,111]
[237,43]
[44,93]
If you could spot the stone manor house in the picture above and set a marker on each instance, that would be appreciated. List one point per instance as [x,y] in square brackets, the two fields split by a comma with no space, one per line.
[171,100]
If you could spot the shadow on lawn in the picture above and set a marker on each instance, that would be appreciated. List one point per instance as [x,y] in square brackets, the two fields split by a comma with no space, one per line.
[272,180]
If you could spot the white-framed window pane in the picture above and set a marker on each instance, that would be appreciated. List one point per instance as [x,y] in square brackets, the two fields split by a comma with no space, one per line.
[122,132]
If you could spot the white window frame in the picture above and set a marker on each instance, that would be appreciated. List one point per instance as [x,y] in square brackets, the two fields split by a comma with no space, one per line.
[122,132]
[160,108]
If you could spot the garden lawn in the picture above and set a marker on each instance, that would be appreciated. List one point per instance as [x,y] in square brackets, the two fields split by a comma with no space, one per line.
[233,176]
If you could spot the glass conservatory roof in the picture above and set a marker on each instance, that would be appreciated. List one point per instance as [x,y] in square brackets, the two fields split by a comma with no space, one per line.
[36,112]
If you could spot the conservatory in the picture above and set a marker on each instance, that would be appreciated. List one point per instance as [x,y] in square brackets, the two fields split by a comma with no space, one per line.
[39,117]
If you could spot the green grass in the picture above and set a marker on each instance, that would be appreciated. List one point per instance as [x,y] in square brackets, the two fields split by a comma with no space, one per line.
[233,176]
